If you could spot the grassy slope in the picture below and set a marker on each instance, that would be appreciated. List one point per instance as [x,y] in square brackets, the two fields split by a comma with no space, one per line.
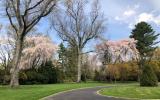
[35,92]
[133,92]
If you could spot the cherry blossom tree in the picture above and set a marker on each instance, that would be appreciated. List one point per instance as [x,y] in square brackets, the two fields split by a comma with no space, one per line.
[5,57]
[37,50]
[118,51]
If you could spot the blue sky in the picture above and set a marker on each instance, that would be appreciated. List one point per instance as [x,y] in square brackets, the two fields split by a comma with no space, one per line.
[121,16]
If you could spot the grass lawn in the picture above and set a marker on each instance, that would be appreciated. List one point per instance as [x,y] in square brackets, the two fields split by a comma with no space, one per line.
[132,91]
[35,92]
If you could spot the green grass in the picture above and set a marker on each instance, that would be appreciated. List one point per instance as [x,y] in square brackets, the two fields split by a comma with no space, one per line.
[35,92]
[132,91]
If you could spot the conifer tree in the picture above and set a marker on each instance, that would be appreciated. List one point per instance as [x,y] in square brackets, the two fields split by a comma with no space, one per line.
[146,44]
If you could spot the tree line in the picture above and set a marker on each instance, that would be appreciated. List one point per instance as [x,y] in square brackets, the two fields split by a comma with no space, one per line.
[25,53]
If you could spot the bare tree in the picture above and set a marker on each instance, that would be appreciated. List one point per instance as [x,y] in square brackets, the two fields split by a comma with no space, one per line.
[77,27]
[23,15]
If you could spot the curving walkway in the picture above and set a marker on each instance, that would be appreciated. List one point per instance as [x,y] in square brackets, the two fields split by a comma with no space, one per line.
[81,94]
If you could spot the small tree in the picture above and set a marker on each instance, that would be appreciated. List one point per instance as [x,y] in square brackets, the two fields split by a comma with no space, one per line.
[146,41]
[62,57]
[68,61]
[71,63]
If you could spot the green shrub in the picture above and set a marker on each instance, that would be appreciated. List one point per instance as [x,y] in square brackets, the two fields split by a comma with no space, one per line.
[45,74]
[148,76]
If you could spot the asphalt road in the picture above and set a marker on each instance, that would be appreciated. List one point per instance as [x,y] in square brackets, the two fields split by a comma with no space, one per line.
[81,94]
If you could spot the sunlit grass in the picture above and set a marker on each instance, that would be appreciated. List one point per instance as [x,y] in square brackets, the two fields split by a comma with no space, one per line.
[35,92]
[133,91]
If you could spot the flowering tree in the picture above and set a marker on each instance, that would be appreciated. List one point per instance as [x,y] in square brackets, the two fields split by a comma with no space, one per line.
[117,51]
[38,49]
[5,57]
[156,54]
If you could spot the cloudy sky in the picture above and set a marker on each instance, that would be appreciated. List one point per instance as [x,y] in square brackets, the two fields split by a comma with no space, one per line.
[121,16]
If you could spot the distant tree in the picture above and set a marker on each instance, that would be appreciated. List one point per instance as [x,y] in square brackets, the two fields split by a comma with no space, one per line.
[62,54]
[68,61]
[87,68]
[146,41]
[6,55]
[23,15]
[72,63]
[156,54]
[75,26]
[117,51]
[112,72]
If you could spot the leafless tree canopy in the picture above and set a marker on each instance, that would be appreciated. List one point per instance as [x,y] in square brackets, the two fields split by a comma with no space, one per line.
[75,25]
[25,14]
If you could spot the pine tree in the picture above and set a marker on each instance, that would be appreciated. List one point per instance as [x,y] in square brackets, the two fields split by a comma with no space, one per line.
[72,63]
[146,41]
[62,56]
[68,61]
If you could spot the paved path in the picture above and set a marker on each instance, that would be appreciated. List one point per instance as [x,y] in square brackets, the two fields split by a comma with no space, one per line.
[81,94]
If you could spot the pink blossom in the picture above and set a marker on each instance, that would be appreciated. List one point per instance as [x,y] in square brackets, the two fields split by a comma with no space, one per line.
[38,50]
[123,50]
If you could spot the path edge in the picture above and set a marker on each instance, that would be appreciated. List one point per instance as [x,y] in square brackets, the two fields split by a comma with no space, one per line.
[98,93]
[45,98]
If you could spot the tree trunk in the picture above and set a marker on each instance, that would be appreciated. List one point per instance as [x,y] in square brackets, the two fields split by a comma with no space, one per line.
[79,66]
[14,82]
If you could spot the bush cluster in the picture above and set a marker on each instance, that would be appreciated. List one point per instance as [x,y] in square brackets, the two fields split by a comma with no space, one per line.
[128,72]
[45,74]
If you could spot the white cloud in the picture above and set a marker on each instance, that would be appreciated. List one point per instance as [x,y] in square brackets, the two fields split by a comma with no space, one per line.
[157,20]
[131,25]
[129,13]
[147,17]
[117,18]
[133,14]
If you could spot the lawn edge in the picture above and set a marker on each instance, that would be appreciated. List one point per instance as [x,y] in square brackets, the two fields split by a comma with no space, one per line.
[45,98]
[98,93]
